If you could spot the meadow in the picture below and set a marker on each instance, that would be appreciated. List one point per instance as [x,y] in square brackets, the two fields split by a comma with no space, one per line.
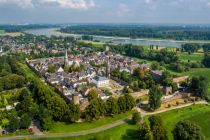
[129,131]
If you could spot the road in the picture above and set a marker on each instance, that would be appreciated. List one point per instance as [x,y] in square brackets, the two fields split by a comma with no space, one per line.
[103,128]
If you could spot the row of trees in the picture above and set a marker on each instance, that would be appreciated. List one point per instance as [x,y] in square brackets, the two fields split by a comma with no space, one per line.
[99,108]
[163,55]
[199,85]
[163,32]
[155,129]
[194,47]
[184,130]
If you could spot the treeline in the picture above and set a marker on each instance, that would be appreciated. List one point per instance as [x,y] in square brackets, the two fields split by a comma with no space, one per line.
[11,75]
[143,31]
[20,28]
[163,55]
[194,47]
[99,108]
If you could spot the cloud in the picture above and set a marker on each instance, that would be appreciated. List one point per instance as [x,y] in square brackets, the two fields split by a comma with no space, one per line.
[208,4]
[67,4]
[20,3]
[71,4]
[124,10]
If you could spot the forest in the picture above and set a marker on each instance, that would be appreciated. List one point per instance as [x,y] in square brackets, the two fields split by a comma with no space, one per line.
[176,32]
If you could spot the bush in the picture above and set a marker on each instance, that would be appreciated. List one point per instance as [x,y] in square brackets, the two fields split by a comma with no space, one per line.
[136,118]
[185,130]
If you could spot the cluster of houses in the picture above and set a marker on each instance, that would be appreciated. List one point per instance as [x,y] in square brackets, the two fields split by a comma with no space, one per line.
[76,84]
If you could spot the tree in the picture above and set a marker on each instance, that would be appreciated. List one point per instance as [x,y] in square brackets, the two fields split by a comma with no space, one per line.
[95,109]
[92,94]
[112,106]
[157,128]
[130,102]
[200,86]
[136,117]
[122,104]
[155,65]
[155,95]
[145,132]
[206,60]
[51,68]
[190,47]
[166,79]
[25,121]
[206,47]
[185,130]
[14,124]
[73,114]
[45,118]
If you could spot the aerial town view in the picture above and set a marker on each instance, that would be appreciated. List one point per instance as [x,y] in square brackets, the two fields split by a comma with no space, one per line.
[104,70]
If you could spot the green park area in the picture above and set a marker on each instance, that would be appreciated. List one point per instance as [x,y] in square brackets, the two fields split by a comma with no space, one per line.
[194,57]
[128,131]
[1,31]
[77,127]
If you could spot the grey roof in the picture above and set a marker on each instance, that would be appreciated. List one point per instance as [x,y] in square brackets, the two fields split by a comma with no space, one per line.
[99,78]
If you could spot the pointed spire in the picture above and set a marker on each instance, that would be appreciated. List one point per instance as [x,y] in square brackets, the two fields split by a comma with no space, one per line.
[66,55]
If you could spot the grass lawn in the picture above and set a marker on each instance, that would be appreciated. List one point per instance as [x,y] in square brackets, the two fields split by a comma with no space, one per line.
[199,114]
[122,132]
[76,127]
[198,72]
[195,57]
[1,31]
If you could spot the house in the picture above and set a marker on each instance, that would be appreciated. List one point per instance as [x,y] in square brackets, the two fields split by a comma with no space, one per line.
[100,81]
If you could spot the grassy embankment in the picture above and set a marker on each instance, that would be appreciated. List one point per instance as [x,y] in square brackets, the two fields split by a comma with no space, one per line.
[128,131]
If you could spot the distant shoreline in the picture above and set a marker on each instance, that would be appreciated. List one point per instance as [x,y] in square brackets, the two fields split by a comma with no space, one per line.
[56,32]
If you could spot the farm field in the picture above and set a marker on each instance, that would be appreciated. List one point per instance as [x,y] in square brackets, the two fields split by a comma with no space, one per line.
[195,57]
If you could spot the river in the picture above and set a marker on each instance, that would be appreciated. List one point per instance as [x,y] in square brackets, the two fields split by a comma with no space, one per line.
[118,40]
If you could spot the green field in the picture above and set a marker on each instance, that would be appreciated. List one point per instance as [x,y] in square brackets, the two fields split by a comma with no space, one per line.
[198,72]
[195,57]
[1,31]
[64,128]
[128,131]
[122,132]
[199,114]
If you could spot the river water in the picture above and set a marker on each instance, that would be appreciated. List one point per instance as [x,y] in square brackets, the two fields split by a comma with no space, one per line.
[118,40]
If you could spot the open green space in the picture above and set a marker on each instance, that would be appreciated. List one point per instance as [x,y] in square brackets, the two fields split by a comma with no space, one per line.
[198,72]
[1,31]
[128,131]
[77,127]
[122,132]
[194,57]
[199,114]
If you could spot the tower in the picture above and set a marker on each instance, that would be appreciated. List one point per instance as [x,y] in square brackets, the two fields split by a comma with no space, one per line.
[107,68]
[107,50]
[66,60]
[1,50]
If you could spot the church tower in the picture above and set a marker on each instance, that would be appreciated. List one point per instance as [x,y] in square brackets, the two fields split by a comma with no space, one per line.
[107,68]
[66,60]
[1,50]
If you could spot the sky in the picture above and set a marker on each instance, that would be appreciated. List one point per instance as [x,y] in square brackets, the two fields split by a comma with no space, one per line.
[105,11]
